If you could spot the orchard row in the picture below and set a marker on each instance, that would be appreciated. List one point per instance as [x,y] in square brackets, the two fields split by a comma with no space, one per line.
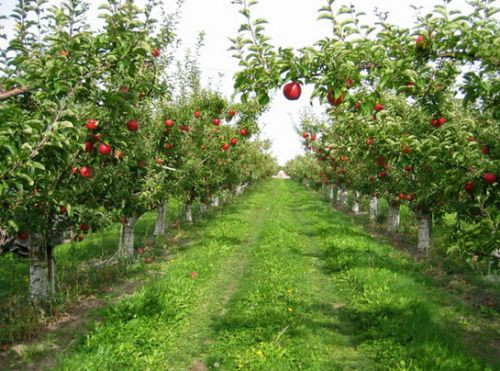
[99,127]
[412,113]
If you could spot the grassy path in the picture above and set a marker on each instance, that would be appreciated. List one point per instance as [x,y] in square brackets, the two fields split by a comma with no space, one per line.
[282,282]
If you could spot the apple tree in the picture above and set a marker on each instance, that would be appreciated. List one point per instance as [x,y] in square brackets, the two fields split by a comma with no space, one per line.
[419,98]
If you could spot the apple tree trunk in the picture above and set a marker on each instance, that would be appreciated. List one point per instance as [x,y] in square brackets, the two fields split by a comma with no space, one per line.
[424,231]
[161,224]
[42,269]
[39,280]
[345,198]
[393,218]
[339,196]
[373,207]
[126,243]
[330,193]
[215,201]
[188,212]
[355,205]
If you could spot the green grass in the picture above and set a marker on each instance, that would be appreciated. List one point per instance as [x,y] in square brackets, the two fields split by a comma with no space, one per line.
[75,276]
[284,282]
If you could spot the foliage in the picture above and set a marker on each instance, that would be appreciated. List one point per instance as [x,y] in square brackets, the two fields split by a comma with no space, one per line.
[412,111]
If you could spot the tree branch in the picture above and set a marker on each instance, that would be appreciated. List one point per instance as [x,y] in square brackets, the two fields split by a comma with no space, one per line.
[13,92]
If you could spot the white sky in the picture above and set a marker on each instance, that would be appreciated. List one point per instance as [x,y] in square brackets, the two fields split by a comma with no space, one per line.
[292,23]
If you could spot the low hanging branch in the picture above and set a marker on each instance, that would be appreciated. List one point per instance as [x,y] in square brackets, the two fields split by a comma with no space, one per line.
[13,92]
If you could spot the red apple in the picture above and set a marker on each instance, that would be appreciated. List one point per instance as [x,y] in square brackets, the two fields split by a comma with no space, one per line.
[193,274]
[168,146]
[409,168]
[169,123]
[91,124]
[64,53]
[435,122]
[123,89]
[401,196]
[225,147]
[244,132]
[420,39]
[442,120]
[381,161]
[305,135]
[469,187]
[292,90]
[348,83]
[489,178]
[357,106]
[89,147]
[96,138]
[313,137]
[369,141]
[62,210]
[155,52]
[84,227]
[216,121]
[382,174]
[471,139]
[85,172]
[406,150]
[197,114]
[140,250]
[184,128]
[486,150]
[234,141]
[159,161]
[142,163]
[334,101]
[104,149]
[378,107]
[133,125]
[119,154]
[23,235]
[231,113]
[74,170]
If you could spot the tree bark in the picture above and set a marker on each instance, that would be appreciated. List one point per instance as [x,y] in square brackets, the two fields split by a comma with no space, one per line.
[13,92]
[424,231]
[126,243]
[161,224]
[51,274]
[215,201]
[39,280]
[330,193]
[188,212]
[393,217]
[345,198]
[42,270]
[373,207]
[355,205]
